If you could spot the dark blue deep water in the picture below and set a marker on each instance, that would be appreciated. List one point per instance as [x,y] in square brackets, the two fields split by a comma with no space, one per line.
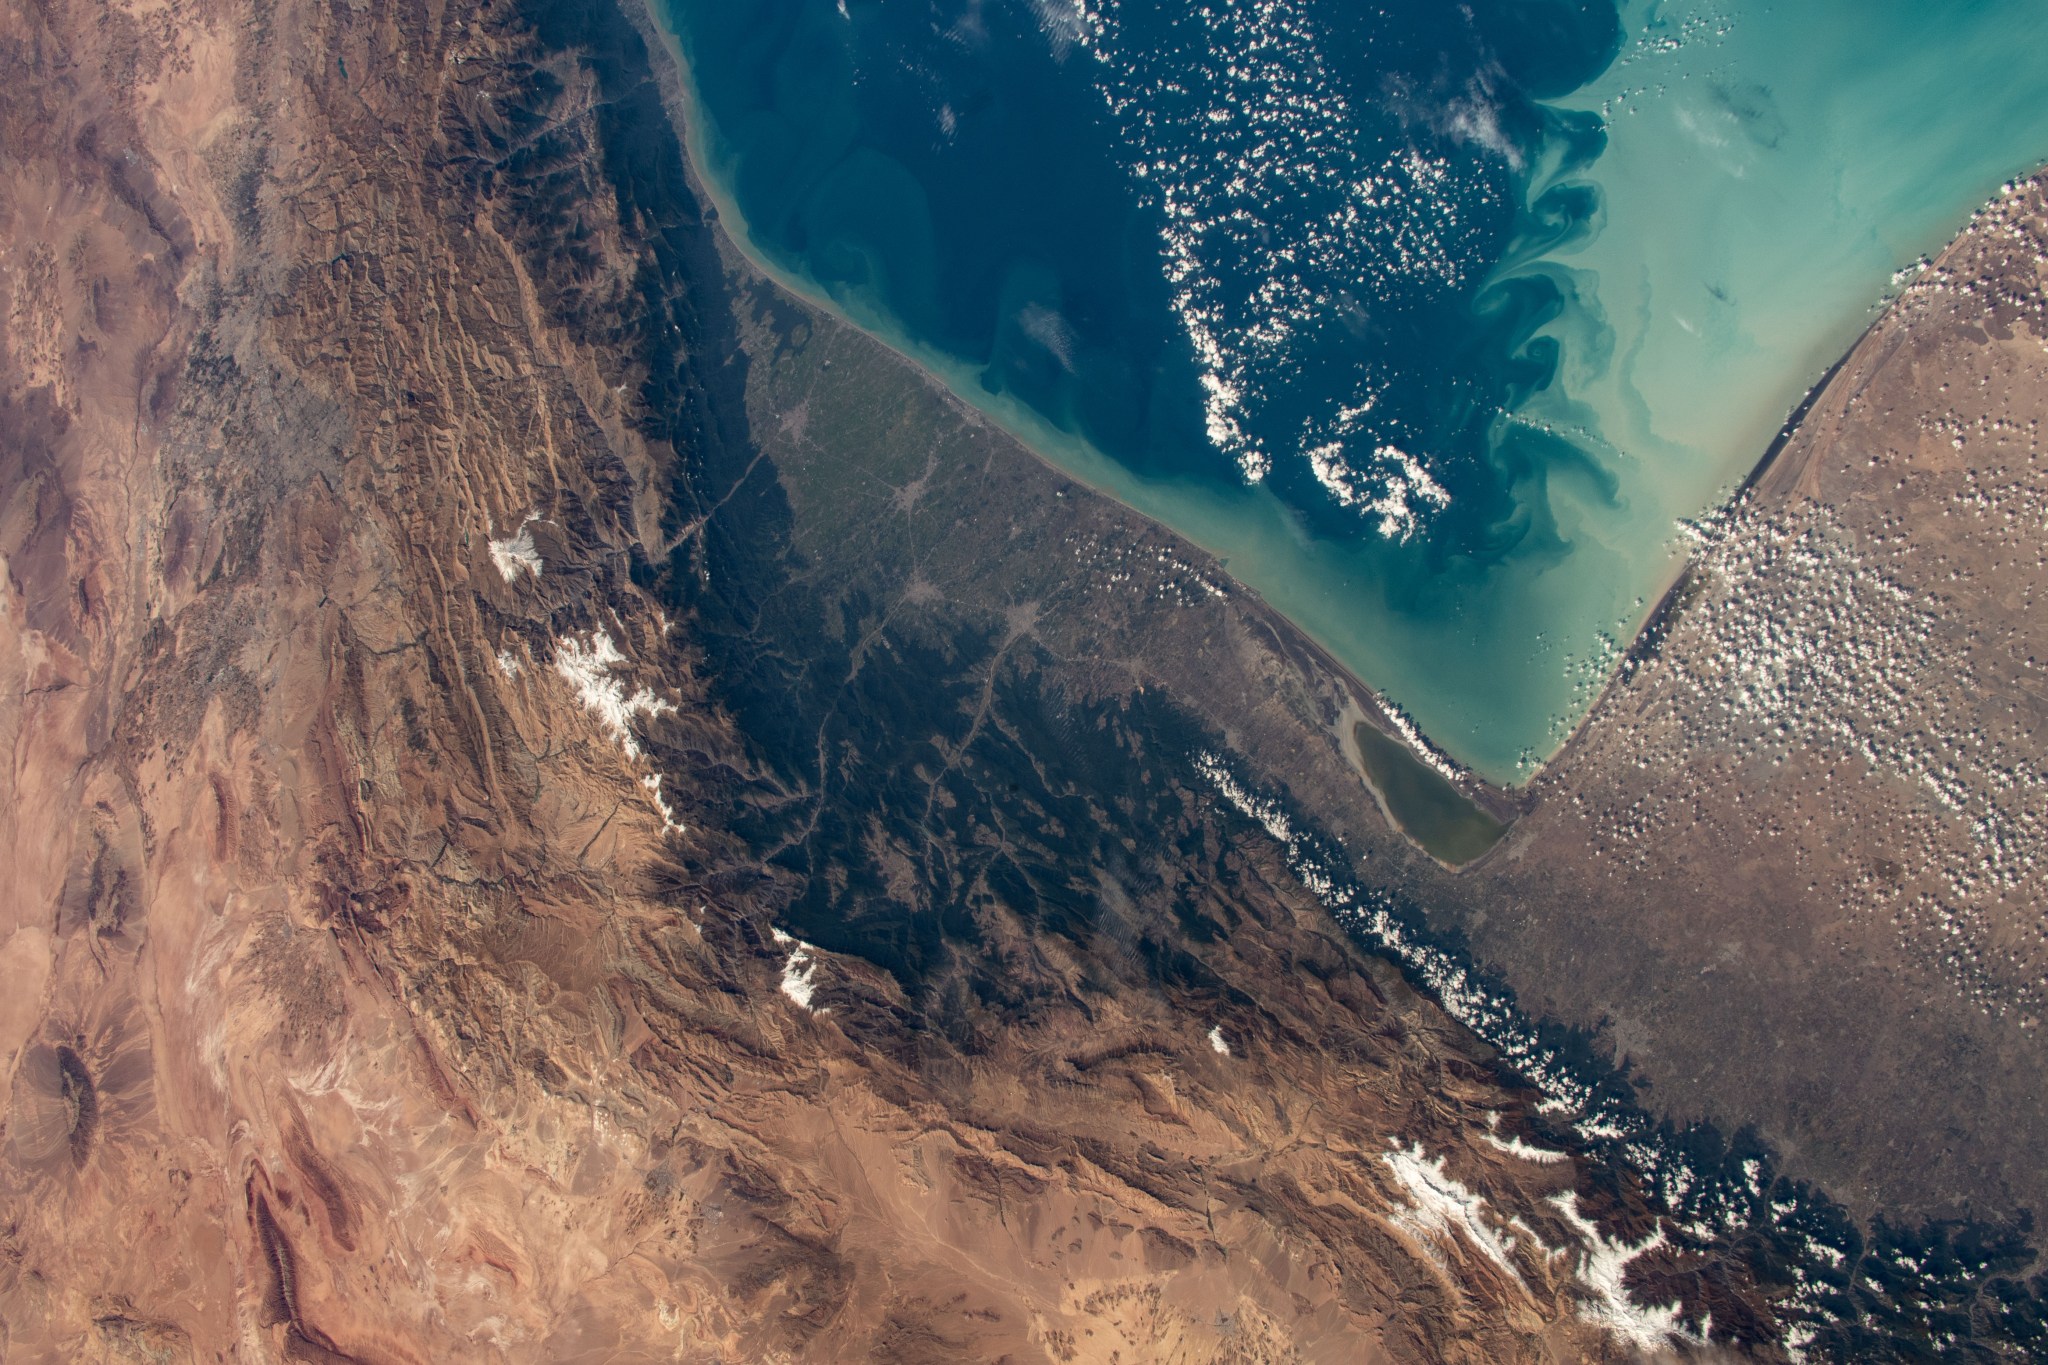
[1311,274]
[980,172]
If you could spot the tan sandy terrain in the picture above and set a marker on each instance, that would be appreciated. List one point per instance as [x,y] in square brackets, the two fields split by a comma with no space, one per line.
[373,988]
[1796,864]
[1790,870]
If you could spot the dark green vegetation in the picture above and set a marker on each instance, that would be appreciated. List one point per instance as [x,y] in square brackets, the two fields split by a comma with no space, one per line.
[980,692]
[925,763]
[974,694]
[1423,802]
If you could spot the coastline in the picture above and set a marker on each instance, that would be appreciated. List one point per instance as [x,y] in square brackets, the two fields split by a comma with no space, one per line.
[1775,474]
[1496,869]
[679,96]
[1503,798]
[1291,639]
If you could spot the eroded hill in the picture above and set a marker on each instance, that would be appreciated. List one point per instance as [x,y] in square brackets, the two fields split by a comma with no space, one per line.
[482,886]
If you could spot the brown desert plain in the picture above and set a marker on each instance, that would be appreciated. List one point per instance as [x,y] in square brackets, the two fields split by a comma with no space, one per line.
[562,805]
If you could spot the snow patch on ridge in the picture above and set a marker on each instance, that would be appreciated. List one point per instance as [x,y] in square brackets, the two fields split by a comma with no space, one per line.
[1699,1202]
[799,971]
[588,669]
[1513,1145]
[1602,1269]
[669,823]
[1440,1205]
[517,554]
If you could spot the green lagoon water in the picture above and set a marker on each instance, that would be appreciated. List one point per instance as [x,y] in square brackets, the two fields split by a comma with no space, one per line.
[1432,321]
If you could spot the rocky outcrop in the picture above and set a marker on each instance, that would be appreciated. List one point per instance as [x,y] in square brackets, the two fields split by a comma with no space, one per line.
[404,942]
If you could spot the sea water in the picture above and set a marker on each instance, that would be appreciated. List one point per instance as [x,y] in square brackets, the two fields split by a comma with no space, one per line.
[1434,321]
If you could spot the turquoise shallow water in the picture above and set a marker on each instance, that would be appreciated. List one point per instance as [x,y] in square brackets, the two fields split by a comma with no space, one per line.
[1431,320]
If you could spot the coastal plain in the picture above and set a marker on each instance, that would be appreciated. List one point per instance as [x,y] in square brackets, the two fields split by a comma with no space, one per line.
[566,806]
[500,870]
[1793,863]
[1783,877]
[1431,322]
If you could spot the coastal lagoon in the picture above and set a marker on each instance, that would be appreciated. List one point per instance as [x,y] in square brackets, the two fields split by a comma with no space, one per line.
[1432,321]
